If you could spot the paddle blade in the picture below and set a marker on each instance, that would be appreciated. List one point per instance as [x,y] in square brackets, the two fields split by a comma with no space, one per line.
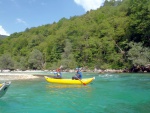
[84,84]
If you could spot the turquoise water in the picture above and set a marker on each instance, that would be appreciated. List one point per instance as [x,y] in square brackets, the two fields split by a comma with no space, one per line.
[108,93]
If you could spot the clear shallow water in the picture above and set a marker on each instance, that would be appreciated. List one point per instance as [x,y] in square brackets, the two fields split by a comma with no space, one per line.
[108,93]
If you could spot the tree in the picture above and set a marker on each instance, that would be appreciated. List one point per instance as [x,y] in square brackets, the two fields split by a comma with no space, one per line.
[36,60]
[6,62]
[22,63]
[68,60]
[139,28]
[138,54]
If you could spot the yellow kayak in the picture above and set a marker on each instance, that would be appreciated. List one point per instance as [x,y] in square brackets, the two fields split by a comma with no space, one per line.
[69,81]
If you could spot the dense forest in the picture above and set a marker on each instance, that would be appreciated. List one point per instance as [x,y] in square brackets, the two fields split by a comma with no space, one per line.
[115,36]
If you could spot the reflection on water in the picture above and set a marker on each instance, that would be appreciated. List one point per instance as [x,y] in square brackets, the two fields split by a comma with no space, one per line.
[68,91]
[60,86]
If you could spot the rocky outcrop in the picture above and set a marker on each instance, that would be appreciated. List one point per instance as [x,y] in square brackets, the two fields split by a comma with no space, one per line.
[136,69]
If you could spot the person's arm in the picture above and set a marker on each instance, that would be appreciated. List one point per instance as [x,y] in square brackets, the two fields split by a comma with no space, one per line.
[77,74]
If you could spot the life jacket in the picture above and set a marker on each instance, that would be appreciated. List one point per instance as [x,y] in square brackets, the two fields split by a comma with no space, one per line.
[58,70]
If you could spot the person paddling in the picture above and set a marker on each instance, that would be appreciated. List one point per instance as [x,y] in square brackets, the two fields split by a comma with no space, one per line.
[59,74]
[78,75]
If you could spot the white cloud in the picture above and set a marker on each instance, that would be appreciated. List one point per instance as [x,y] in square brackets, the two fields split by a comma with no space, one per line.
[89,4]
[3,32]
[21,21]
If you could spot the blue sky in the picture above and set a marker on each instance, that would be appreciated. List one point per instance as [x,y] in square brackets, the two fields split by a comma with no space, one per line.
[17,15]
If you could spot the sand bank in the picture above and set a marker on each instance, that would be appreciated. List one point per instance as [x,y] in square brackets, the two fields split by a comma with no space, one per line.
[16,76]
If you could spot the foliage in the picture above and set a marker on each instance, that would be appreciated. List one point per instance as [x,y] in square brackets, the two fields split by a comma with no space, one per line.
[6,62]
[2,36]
[100,38]
[36,60]
[68,60]
[139,12]
[139,55]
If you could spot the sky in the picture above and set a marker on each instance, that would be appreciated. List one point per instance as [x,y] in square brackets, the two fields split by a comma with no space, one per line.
[17,15]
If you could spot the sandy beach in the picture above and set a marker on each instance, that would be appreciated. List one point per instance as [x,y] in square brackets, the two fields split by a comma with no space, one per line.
[5,76]
[17,77]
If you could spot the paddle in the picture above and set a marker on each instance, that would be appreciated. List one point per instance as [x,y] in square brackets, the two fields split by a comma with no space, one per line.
[81,81]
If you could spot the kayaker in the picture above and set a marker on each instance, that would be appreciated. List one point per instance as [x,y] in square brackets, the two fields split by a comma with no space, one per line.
[78,75]
[59,74]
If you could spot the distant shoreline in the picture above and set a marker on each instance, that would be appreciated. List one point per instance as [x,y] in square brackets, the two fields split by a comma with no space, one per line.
[6,75]
[17,75]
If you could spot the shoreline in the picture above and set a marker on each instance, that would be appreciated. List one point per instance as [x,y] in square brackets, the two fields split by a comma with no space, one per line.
[7,75]
[15,76]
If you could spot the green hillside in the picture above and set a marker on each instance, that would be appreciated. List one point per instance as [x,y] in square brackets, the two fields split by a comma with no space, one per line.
[115,36]
[2,36]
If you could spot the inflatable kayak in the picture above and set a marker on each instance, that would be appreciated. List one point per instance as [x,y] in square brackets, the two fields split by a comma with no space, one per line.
[3,88]
[69,81]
